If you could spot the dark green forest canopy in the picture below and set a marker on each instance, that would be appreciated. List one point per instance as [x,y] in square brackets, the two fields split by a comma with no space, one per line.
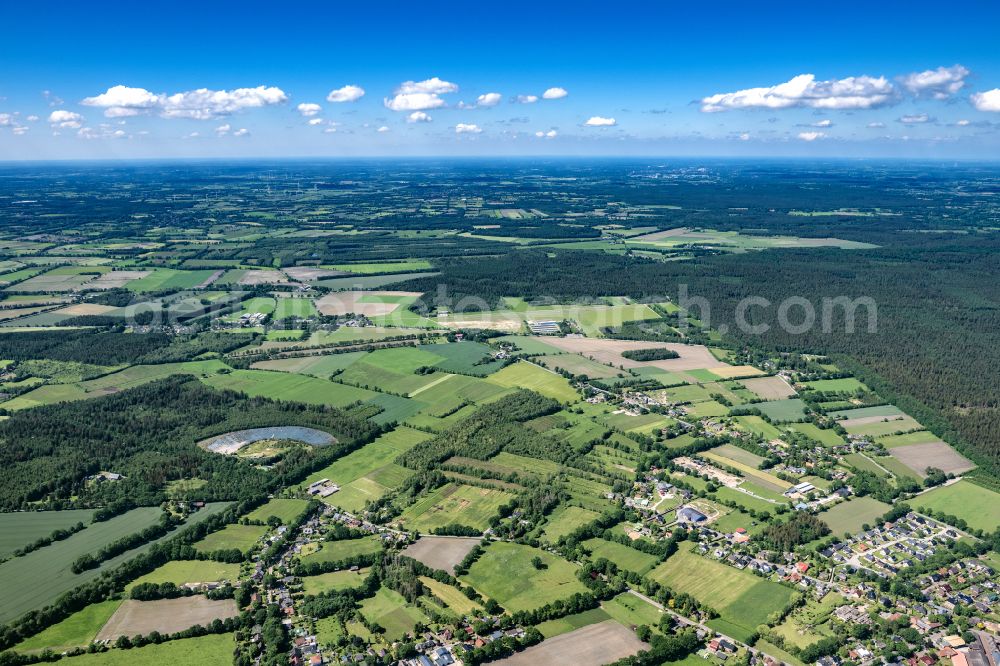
[938,305]
[149,434]
[110,348]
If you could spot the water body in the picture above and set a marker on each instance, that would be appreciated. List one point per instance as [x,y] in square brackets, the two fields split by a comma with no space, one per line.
[231,442]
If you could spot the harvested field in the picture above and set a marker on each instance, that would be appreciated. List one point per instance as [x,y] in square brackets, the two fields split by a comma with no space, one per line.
[919,457]
[609,352]
[593,645]
[165,616]
[769,388]
[735,371]
[115,279]
[441,552]
[85,309]
[511,325]
[308,273]
[254,277]
[368,303]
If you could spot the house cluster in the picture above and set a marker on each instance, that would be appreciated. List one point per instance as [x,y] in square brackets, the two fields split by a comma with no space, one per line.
[968,583]
[252,319]
[891,547]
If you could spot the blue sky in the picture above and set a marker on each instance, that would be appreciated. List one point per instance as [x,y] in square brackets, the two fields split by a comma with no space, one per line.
[106,80]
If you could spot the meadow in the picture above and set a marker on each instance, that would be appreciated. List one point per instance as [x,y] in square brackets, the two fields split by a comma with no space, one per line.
[22,528]
[390,610]
[976,505]
[211,650]
[454,504]
[182,572]
[333,581]
[530,376]
[335,551]
[743,600]
[505,573]
[239,537]
[285,510]
[848,517]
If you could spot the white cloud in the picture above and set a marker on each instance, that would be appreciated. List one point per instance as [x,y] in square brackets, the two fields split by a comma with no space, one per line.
[243,131]
[914,119]
[200,104]
[526,99]
[308,109]
[63,118]
[940,83]
[19,129]
[745,136]
[32,118]
[986,101]
[855,92]
[418,117]
[382,129]
[193,135]
[554,93]
[875,125]
[348,93]
[488,99]
[963,123]
[419,95]
[431,86]
[551,134]
[222,130]
[463,128]
[811,136]
[6,120]
[826,122]
[315,121]
[329,130]
[598,121]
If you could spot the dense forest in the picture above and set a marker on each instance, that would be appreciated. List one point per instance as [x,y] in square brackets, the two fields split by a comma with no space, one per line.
[148,434]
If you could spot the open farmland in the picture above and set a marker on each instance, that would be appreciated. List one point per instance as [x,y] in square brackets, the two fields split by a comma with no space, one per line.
[285,510]
[531,376]
[39,577]
[938,455]
[368,303]
[184,572]
[441,552]
[742,599]
[848,517]
[77,630]
[166,616]
[334,581]
[454,504]
[20,529]
[232,537]
[977,506]
[389,610]
[505,573]
[593,645]
[211,650]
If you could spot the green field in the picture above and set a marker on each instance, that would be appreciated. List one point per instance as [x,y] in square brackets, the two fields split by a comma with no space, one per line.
[530,376]
[825,436]
[977,506]
[843,385]
[758,425]
[212,650]
[568,623]
[24,527]
[38,578]
[285,386]
[565,519]
[369,472]
[375,268]
[630,610]
[453,503]
[625,557]
[77,630]
[335,551]
[918,437]
[286,510]
[505,573]
[743,600]
[848,517]
[780,411]
[288,307]
[335,580]
[240,537]
[578,365]
[181,572]
[162,279]
[453,598]
[389,610]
